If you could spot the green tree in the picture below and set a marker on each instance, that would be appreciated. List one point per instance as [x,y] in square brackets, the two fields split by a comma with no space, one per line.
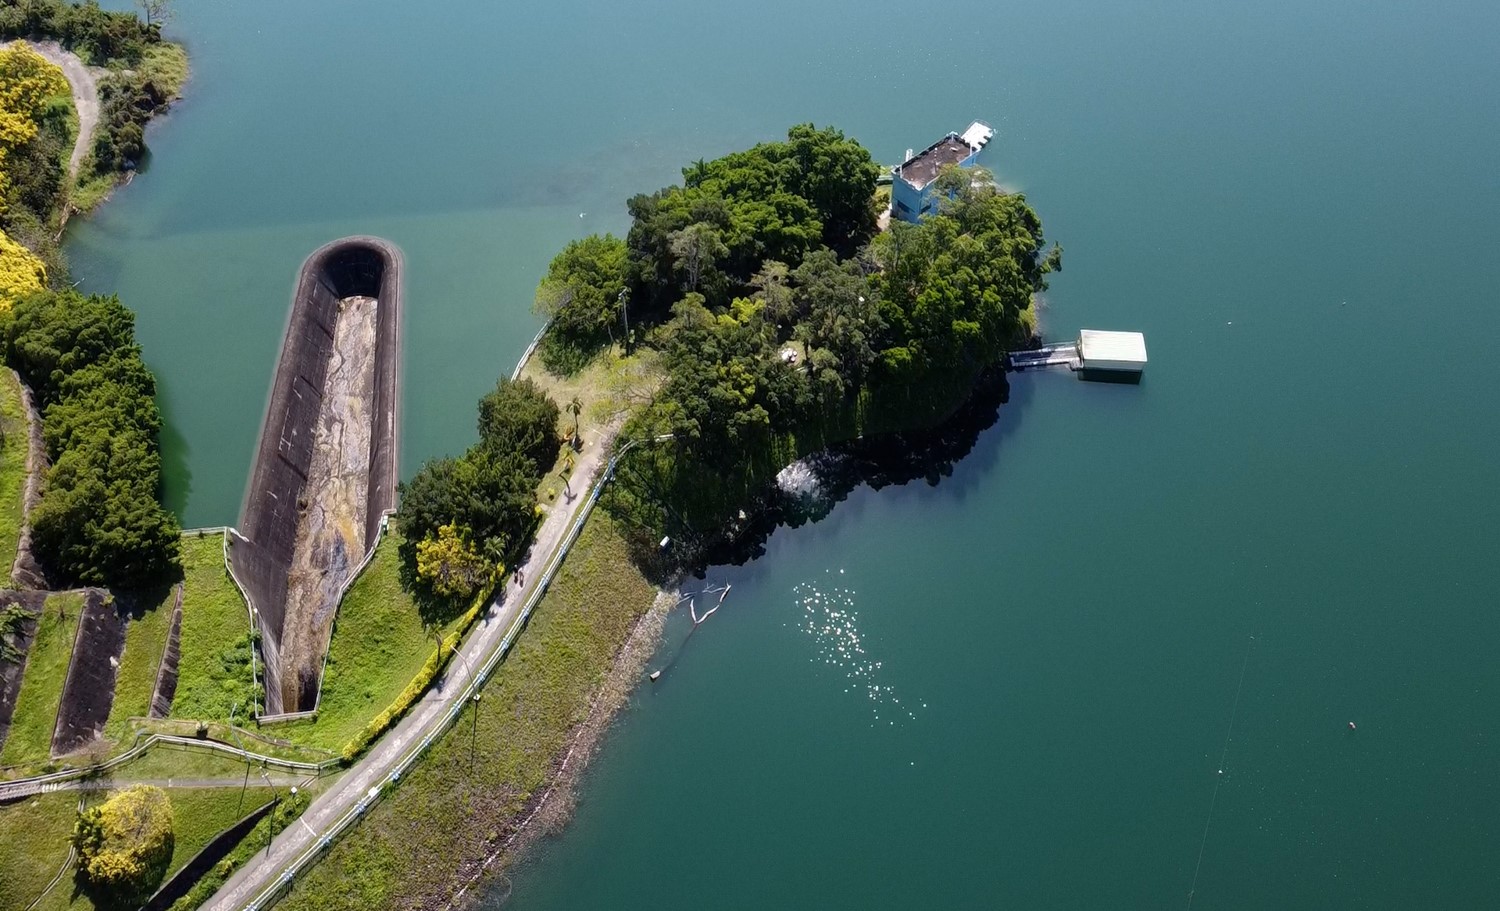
[581,296]
[842,315]
[695,250]
[575,408]
[99,521]
[519,417]
[956,290]
[125,844]
[837,175]
[490,493]
[450,565]
[727,388]
[772,284]
[50,336]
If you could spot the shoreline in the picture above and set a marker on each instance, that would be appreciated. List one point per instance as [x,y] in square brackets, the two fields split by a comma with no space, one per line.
[548,814]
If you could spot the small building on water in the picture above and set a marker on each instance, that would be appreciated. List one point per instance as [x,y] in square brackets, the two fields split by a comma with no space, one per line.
[911,183]
[1117,356]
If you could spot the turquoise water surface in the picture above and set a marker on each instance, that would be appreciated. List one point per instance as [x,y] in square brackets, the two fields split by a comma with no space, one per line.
[1289,526]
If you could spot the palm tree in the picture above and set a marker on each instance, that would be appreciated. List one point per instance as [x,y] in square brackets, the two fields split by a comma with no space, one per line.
[575,408]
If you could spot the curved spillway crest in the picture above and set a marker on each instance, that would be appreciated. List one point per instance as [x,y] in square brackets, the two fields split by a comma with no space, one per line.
[325,468]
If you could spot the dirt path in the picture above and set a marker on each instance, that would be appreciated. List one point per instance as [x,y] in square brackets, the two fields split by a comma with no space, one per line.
[85,96]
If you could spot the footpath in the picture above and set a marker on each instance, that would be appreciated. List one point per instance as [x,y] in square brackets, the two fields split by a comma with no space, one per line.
[85,96]
[361,783]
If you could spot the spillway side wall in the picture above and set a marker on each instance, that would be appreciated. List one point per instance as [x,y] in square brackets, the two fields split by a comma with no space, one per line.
[385,435]
[262,555]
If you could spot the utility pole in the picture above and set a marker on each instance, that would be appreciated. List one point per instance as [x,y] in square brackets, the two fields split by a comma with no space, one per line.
[474,727]
[625,315]
[271,817]
[474,733]
[232,709]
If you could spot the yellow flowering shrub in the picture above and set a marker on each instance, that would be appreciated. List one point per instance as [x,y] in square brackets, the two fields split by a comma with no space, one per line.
[21,272]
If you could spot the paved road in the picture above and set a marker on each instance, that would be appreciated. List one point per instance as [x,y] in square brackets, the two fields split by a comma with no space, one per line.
[375,768]
[85,96]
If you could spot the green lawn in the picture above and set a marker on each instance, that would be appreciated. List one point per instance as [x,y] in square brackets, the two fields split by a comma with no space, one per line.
[214,667]
[145,642]
[28,863]
[12,469]
[274,822]
[448,805]
[378,645]
[30,739]
[164,761]
[198,814]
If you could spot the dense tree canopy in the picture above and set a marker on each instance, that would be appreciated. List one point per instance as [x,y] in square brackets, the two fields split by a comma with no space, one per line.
[50,337]
[485,499]
[776,201]
[99,521]
[125,844]
[785,321]
[517,416]
[581,295]
[97,35]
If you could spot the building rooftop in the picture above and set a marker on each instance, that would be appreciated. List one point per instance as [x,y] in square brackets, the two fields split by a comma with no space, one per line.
[1112,348]
[920,169]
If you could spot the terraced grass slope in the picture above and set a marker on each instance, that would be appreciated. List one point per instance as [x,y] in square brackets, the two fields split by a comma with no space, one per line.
[214,670]
[30,739]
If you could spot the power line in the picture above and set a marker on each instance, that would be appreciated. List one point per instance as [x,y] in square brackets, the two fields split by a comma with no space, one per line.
[1219,779]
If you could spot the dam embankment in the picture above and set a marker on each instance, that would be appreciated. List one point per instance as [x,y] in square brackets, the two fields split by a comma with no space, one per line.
[324,473]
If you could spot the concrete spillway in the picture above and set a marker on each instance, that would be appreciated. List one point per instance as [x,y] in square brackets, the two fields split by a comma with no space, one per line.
[325,467]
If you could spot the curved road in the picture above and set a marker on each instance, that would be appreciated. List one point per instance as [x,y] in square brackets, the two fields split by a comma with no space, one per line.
[85,96]
[375,768]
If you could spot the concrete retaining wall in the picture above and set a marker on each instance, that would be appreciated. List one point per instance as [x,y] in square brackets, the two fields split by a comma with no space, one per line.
[261,551]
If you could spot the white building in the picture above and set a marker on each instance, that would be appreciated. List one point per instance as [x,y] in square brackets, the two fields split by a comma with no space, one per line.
[1119,352]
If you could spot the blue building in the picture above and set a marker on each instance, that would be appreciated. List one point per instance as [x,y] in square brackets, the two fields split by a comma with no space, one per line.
[911,181]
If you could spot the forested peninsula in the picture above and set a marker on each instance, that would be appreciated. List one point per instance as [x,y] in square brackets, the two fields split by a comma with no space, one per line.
[783,321]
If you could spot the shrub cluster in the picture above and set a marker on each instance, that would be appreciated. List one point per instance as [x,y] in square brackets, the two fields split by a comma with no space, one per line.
[125,104]
[99,521]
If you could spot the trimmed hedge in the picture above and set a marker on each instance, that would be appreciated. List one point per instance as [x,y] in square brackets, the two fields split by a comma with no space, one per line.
[419,684]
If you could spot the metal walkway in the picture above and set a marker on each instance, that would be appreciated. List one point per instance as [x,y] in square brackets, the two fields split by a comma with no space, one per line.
[1060,354]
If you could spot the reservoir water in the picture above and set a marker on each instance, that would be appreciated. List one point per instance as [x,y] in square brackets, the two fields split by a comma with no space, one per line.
[1116,650]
